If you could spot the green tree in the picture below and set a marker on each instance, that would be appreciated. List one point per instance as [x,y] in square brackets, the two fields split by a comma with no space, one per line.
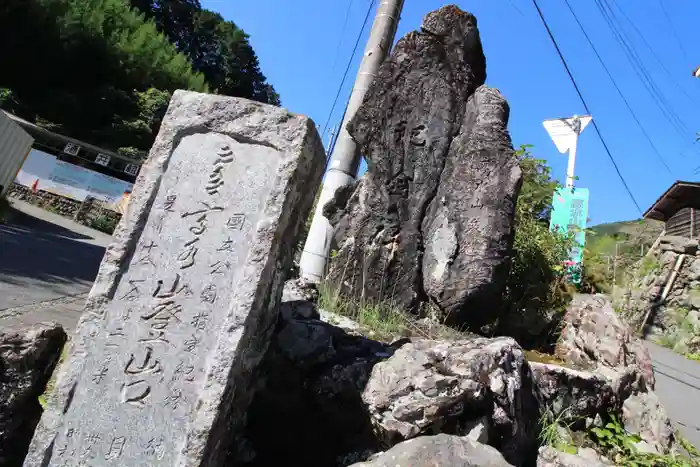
[80,67]
[217,48]
[536,288]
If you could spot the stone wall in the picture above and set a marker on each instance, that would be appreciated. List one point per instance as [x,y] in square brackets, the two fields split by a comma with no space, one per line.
[51,202]
[675,321]
[91,212]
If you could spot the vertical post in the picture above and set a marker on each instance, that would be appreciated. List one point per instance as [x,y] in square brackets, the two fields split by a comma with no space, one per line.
[572,164]
[345,159]
[692,223]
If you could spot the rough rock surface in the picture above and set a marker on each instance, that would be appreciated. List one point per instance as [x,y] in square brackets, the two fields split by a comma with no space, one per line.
[585,457]
[186,298]
[430,387]
[432,219]
[575,394]
[643,414]
[310,394]
[27,359]
[439,450]
[678,244]
[595,338]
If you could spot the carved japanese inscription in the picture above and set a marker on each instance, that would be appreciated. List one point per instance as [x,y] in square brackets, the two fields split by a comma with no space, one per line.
[194,257]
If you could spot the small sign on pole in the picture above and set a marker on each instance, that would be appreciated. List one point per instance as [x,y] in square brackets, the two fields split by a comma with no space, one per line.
[564,132]
[569,214]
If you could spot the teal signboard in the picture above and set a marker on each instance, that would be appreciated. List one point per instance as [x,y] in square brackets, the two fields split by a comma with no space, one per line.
[569,214]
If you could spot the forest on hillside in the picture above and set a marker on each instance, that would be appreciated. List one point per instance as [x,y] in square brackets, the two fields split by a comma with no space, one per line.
[103,71]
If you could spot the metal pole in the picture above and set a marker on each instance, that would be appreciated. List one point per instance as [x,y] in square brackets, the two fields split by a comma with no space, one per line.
[572,164]
[576,127]
[345,159]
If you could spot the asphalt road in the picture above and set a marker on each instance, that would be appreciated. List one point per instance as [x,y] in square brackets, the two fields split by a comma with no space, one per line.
[678,388]
[44,257]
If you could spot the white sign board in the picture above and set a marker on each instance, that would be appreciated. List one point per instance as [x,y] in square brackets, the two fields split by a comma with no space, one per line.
[69,180]
[564,131]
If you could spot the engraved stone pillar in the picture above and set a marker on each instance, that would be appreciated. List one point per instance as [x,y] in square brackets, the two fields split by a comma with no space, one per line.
[186,297]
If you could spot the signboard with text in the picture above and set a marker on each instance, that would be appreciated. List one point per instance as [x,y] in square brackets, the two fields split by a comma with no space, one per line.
[69,180]
[569,214]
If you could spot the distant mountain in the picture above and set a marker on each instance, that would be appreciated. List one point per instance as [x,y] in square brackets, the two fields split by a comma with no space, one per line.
[636,231]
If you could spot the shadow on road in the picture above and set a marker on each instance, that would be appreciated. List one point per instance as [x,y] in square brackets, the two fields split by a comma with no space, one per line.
[23,220]
[40,260]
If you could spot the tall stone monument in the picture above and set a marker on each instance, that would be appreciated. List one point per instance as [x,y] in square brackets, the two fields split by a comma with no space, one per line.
[186,296]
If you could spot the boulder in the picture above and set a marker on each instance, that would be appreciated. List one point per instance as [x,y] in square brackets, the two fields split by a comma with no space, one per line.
[678,244]
[571,395]
[27,360]
[595,338]
[585,457]
[430,387]
[432,218]
[643,414]
[439,450]
[308,404]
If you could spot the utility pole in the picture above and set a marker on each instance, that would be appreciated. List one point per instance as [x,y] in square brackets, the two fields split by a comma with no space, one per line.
[345,159]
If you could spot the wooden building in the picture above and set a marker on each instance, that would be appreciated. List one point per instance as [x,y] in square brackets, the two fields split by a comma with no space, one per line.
[679,209]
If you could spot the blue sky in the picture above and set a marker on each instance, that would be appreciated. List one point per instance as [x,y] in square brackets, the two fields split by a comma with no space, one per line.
[303,50]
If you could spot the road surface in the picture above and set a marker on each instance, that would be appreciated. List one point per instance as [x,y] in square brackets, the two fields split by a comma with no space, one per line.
[678,388]
[46,258]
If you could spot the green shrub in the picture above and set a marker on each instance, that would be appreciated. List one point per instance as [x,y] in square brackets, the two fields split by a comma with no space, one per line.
[620,447]
[385,320]
[536,284]
[104,223]
[648,265]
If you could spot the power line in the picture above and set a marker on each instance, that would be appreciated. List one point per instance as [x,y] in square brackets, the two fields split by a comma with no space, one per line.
[653,53]
[673,29]
[619,91]
[515,7]
[347,68]
[641,70]
[342,33]
[585,106]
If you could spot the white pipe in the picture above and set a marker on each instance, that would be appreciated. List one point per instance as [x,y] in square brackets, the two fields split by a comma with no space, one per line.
[345,159]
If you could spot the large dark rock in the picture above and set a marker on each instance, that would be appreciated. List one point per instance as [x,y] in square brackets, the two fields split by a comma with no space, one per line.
[308,407]
[27,360]
[432,219]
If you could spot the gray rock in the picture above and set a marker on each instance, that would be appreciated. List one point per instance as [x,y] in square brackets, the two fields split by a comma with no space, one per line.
[310,387]
[585,457]
[594,337]
[185,301]
[443,450]
[678,244]
[573,395]
[433,216]
[694,299]
[27,359]
[644,415]
[428,387]
[299,289]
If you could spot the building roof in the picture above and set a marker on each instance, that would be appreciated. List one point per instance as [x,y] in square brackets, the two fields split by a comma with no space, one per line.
[35,129]
[679,195]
